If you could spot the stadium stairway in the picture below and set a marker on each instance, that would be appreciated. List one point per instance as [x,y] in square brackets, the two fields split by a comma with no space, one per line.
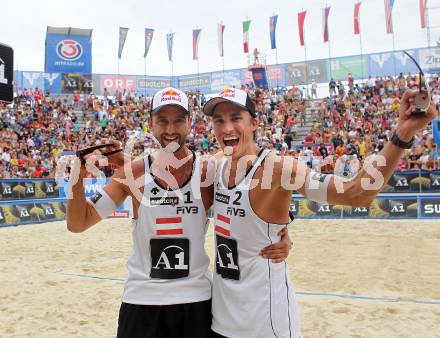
[81,118]
[302,132]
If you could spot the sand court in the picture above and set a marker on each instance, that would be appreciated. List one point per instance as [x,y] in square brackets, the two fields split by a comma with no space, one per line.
[354,278]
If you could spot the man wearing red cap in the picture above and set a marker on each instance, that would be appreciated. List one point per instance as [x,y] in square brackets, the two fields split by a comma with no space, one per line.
[168,289]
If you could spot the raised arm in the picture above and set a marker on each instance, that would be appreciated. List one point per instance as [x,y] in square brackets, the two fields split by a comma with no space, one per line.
[376,171]
[82,213]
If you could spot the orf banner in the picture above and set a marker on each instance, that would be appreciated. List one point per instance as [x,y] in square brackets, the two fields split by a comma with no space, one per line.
[113,83]
[68,54]
[6,73]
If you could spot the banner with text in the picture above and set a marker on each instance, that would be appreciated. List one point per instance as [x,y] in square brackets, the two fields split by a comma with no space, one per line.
[68,54]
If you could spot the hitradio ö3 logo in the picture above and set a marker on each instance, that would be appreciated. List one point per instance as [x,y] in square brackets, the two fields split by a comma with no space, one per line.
[69,50]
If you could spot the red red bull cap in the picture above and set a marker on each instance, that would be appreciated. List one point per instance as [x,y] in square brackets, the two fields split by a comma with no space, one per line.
[169,96]
[236,96]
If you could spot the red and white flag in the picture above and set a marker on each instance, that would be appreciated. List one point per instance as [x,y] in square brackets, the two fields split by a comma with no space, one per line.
[422,6]
[301,19]
[169,226]
[223,225]
[389,15]
[220,32]
[325,14]
[357,29]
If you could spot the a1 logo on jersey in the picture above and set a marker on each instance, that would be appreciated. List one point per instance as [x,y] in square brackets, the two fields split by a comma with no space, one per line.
[226,260]
[169,258]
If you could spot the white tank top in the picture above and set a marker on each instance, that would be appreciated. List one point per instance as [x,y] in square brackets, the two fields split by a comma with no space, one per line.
[252,297]
[169,264]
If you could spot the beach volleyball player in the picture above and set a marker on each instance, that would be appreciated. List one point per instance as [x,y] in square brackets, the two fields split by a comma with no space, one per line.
[253,189]
[168,290]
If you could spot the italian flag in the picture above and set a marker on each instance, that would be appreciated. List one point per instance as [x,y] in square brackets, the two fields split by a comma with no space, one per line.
[246,25]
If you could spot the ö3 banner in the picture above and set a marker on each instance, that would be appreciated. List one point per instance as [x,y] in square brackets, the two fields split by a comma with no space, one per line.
[68,54]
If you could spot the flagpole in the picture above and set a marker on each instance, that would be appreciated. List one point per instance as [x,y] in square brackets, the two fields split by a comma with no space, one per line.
[305,60]
[118,72]
[360,44]
[330,58]
[198,74]
[172,70]
[394,51]
[145,77]
[428,28]
[362,55]
[223,71]
[196,42]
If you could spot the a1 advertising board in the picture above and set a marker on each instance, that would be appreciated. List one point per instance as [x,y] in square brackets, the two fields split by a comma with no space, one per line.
[68,54]
[27,188]
[403,182]
[6,73]
[71,83]
[295,73]
[308,208]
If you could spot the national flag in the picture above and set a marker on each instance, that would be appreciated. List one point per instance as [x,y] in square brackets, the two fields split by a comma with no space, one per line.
[389,15]
[122,37]
[422,6]
[148,39]
[246,25]
[196,38]
[170,38]
[325,13]
[220,32]
[357,29]
[169,226]
[272,28]
[301,19]
[223,225]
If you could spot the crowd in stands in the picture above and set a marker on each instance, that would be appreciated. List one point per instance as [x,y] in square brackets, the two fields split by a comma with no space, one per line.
[354,121]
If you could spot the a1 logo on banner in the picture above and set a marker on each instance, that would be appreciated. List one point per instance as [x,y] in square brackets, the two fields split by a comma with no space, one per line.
[69,50]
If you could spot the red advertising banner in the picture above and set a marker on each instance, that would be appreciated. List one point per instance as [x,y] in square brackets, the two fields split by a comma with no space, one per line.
[275,73]
[113,83]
